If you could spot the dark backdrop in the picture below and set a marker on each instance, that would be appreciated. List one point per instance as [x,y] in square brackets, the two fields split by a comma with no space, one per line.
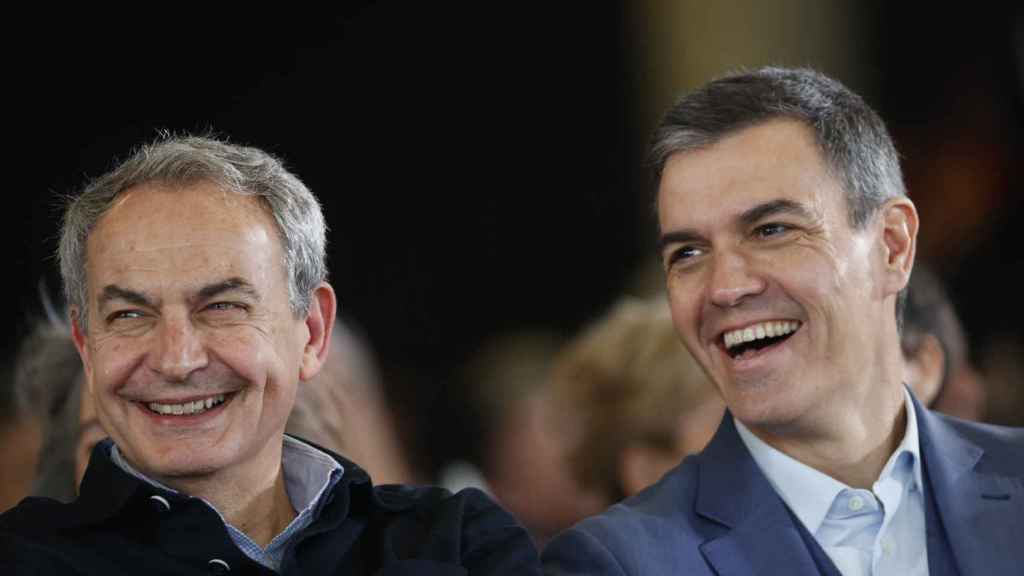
[478,164]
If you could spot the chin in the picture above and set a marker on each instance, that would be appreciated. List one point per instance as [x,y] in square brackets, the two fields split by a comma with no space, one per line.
[762,404]
[181,460]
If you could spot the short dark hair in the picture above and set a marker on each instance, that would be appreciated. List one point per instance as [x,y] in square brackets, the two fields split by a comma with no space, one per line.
[851,136]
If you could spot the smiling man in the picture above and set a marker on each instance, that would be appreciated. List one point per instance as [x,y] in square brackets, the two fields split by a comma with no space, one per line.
[196,282]
[787,240]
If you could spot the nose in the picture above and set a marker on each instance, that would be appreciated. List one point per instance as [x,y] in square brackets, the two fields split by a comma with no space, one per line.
[179,350]
[733,279]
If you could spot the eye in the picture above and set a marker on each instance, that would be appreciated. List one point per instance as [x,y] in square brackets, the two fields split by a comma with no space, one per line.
[771,230]
[226,309]
[682,255]
[124,315]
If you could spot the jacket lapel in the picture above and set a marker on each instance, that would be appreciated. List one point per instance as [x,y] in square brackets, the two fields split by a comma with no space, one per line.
[972,502]
[762,537]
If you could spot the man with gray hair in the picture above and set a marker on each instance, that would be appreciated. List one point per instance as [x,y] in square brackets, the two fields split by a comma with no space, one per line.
[787,241]
[195,276]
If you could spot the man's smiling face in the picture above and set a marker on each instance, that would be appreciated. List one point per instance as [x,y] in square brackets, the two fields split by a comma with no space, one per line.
[192,353]
[771,289]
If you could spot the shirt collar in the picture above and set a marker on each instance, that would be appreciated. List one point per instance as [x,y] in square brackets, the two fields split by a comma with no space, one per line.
[308,472]
[808,492]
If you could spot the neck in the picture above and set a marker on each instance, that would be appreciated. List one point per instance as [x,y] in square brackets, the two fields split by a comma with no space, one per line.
[257,503]
[851,434]
[852,446]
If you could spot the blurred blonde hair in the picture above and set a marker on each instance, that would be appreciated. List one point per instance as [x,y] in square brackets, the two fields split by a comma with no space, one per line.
[625,379]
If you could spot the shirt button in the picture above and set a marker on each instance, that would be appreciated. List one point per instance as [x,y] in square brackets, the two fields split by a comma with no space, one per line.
[218,566]
[856,503]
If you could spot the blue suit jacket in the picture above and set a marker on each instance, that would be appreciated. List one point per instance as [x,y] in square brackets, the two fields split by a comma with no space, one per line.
[717,514]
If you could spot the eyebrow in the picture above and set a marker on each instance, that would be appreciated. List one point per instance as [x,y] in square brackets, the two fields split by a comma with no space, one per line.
[677,237]
[773,208]
[747,218]
[115,292]
[231,284]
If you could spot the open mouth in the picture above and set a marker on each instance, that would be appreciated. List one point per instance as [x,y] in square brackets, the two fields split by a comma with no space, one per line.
[193,408]
[749,341]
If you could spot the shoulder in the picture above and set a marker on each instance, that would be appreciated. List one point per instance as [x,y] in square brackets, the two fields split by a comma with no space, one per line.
[29,533]
[1003,445]
[35,516]
[467,528]
[631,537]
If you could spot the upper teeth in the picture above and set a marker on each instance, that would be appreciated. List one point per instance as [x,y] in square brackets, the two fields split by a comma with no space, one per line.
[197,407]
[758,331]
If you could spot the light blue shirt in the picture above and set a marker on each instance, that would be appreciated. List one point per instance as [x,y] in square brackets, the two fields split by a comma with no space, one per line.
[309,474]
[864,532]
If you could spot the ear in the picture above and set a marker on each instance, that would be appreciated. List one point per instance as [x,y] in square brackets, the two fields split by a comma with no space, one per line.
[925,369]
[81,340]
[320,324]
[899,242]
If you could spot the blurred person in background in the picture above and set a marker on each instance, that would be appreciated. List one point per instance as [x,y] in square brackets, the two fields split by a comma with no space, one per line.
[50,371]
[939,368]
[631,400]
[20,437]
[521,456]
[343,409]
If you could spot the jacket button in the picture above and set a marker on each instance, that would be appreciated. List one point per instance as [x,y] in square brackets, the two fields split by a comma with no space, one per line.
[160,504]
[218,566]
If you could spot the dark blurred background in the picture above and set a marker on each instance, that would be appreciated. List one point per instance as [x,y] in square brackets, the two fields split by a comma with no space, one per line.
[479,165]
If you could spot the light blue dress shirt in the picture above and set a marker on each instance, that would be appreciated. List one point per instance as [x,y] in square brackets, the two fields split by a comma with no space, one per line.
[864,532]
[309,474]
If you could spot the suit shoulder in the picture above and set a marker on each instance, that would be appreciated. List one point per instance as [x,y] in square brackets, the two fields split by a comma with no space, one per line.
[1003,445]
[631,536]
[1003,440]
[666,506]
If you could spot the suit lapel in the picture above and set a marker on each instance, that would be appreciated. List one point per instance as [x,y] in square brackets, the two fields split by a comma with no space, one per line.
[762,537]
[971,503]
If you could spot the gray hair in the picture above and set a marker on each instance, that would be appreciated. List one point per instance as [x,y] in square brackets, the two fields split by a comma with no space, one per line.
[185,160]
[48,372]
[851,136]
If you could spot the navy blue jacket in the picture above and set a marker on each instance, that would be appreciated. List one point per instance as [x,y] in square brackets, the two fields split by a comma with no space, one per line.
[716,513]
[115,527]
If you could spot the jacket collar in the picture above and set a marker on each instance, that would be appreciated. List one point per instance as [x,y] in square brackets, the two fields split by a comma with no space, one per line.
[107,490]
[733,491]
[976,495]
[980,499]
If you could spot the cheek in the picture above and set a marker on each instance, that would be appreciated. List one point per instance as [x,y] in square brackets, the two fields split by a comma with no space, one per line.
[684,310]
[112,364]
[685,293]
[259,357]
